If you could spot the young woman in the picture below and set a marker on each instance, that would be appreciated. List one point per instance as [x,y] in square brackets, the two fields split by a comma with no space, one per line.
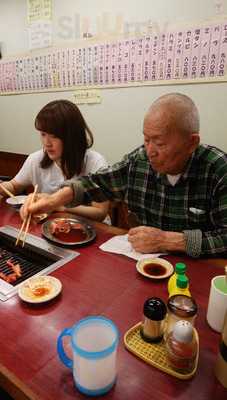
[66,153]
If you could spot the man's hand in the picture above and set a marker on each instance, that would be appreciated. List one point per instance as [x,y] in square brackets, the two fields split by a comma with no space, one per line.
[42,203]
[46,202]
[145,239]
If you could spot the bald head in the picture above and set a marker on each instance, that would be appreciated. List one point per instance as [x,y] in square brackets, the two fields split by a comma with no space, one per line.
[178,111]
[171,133]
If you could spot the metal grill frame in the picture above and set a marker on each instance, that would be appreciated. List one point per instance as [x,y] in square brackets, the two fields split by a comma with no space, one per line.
[39,246]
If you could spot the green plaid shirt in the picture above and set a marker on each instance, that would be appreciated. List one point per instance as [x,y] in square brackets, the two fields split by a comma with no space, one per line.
[196,205]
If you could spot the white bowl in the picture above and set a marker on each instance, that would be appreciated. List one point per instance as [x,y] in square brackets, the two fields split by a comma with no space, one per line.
[155,268]
[16,201]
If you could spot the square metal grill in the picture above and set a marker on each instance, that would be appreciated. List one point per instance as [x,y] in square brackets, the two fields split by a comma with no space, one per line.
[37,257]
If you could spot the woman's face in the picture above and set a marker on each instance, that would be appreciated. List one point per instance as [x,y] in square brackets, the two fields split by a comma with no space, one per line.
[52,145]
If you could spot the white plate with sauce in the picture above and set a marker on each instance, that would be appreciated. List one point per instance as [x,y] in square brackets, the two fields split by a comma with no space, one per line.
[40,289]
[155,268]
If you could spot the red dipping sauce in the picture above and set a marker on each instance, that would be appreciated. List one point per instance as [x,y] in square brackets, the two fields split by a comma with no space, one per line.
[74,236]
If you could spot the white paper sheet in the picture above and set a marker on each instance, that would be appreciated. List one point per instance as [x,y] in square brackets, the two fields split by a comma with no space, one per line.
[40,35]
[120,245]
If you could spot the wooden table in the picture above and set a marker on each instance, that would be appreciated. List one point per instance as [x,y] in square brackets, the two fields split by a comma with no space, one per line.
[100,283]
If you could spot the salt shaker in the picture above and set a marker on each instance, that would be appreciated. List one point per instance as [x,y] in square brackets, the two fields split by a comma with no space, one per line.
[181,347]
[152,328]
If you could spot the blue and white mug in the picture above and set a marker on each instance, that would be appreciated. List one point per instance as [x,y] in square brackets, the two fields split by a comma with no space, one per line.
[94,342]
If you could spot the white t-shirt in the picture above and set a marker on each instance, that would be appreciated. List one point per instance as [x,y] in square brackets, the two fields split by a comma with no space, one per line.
[173,179]
[49,179]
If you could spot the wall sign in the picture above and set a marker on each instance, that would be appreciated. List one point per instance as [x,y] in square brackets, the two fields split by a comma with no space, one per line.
[192,55]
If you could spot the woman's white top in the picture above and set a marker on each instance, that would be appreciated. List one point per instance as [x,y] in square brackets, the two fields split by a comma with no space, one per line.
[49,179]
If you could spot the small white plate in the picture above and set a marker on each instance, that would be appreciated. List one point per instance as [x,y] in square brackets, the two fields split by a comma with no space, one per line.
[16,201]
[155,268]
[52,285]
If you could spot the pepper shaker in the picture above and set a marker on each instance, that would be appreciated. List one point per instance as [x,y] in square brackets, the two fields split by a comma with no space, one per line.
[152,328]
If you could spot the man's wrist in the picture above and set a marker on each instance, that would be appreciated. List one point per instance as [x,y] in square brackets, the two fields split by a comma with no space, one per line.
[193,240]
[174,241]
[62,196]
[77,192]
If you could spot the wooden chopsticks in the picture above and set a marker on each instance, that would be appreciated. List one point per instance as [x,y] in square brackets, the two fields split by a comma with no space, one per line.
[25,224]
[7,191]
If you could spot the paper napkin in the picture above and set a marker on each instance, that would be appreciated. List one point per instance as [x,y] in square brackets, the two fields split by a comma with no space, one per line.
[120,245]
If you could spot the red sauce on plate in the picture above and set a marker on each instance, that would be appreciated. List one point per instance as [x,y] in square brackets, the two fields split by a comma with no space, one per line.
[154,269]
[75,235]
[40,291]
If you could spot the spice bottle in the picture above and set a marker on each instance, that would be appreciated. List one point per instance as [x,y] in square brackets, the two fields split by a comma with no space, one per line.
[152,328]
[180,307]
[181,347]
[180,269]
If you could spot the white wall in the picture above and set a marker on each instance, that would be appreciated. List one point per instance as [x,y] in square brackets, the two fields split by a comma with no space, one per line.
[117,121]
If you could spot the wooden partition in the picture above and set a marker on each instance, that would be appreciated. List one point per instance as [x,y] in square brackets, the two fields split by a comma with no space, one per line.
[10,163]
[119,214]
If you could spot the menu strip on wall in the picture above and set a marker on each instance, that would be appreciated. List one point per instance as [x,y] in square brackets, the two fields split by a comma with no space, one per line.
[195,54]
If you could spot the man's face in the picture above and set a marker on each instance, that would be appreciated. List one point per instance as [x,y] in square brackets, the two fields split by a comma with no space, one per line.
[167,149]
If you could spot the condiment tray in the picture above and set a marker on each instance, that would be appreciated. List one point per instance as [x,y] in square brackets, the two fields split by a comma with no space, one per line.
[154,353]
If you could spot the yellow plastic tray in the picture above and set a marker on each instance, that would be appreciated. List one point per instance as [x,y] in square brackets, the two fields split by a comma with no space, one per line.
[154,353]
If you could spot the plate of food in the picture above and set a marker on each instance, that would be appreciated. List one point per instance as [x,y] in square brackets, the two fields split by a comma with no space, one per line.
[68,231]
[16,201]
[154,268]
[40,289]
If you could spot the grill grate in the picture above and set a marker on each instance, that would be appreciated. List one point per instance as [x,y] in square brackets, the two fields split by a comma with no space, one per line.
[37,257]
[31,262]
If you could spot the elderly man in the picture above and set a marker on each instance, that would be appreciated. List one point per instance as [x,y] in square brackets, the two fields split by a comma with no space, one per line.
[175,186]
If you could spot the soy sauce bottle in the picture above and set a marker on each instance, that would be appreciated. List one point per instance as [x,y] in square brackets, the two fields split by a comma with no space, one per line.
[180,307]
[182,347]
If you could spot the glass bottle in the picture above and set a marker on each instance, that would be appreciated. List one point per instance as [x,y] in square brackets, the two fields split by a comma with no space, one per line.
[180,307]
[182,347]
[180,269]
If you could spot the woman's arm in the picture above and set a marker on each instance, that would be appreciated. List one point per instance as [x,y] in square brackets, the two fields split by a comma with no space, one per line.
[13,186]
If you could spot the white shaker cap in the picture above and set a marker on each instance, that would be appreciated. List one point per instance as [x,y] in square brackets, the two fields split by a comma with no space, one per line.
[183,331]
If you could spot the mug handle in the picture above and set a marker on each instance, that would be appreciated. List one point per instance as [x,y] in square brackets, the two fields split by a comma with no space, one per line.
[68,362]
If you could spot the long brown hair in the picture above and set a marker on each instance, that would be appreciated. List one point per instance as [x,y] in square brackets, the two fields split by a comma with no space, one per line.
[63,119]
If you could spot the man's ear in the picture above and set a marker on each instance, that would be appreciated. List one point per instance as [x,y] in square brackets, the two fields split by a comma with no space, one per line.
[194,141]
